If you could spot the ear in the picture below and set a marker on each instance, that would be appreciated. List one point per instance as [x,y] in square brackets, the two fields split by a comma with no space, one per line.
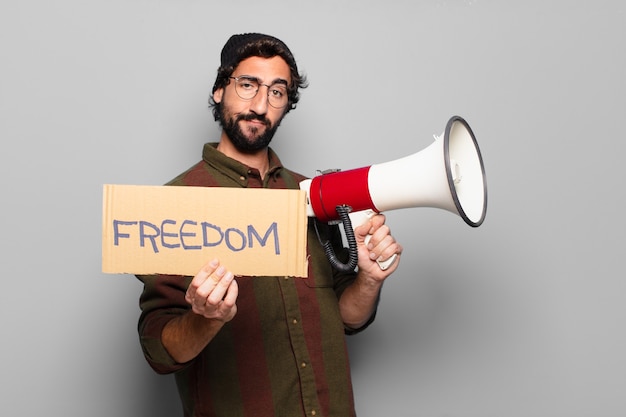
[218,94]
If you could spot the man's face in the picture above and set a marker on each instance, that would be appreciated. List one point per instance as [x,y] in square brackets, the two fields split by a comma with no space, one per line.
[250,124]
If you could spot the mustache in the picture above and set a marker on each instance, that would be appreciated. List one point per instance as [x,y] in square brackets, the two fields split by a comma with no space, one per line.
[251,116]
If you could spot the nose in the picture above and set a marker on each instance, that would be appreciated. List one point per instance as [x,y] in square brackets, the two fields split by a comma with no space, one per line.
[260,102]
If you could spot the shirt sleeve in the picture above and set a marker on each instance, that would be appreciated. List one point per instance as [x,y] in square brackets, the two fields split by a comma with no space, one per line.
[162,299]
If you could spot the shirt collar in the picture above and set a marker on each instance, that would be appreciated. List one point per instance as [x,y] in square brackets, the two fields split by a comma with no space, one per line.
[233,168]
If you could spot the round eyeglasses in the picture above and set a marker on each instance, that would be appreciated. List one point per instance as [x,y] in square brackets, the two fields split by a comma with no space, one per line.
[247,87]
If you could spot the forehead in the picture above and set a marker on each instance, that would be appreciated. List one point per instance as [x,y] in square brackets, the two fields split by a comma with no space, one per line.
[265,69]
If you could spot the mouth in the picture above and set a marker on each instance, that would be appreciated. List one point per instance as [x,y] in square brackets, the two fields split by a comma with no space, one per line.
[254,123]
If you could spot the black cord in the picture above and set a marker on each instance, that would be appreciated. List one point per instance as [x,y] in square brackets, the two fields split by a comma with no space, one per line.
[353,256]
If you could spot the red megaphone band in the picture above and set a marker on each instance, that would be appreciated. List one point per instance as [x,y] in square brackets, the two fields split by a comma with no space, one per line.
[349,188]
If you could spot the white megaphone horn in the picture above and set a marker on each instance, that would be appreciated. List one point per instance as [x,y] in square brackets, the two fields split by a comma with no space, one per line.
[449,174]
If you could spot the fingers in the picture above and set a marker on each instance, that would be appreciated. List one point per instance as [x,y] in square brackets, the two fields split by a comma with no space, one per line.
[199,280]
[380,244]
[213,291]
[371,225]
[383,245]
[230,299]
[216,286]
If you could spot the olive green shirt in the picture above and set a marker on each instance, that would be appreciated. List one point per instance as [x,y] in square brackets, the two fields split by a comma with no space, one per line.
[284,352]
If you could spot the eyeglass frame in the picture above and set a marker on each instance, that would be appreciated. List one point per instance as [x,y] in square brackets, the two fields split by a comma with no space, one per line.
[256,80]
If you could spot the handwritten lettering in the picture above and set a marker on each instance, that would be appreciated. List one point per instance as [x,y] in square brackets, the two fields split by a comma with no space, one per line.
[191,235]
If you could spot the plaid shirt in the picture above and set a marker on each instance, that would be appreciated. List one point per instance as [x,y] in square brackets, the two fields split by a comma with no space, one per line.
[284,353]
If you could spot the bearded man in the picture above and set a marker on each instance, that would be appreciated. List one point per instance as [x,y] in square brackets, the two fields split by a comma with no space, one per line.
[262,346]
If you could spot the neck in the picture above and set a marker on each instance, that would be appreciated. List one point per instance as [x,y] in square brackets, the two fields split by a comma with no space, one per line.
[258,160]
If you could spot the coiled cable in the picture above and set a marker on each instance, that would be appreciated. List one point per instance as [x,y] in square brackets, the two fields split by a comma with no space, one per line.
[353,256]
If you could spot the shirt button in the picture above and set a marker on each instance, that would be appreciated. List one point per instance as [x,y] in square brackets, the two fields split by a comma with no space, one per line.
[303,365]
[242,178]
[313,412]
[295,321]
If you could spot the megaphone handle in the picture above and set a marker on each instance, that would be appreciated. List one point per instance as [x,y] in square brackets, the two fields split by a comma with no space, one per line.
[359,218]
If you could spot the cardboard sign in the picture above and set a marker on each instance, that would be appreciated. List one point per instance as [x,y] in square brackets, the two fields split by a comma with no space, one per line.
[176,230]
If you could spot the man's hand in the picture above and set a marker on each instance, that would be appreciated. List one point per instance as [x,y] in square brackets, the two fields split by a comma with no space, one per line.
[213,293]
[358,301]
[381,246]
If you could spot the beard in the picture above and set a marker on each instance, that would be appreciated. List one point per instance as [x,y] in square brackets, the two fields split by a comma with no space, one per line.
[256,140]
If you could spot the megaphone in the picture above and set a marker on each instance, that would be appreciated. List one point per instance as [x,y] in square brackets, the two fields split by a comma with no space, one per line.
[449,174]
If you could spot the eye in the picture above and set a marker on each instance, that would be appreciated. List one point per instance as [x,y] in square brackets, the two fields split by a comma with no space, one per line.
[278,91]
[248,84]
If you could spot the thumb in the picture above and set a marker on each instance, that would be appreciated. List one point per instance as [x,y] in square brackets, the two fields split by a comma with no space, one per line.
[362,231]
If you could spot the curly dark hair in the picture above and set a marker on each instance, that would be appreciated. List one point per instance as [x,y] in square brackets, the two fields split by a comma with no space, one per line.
[240,47]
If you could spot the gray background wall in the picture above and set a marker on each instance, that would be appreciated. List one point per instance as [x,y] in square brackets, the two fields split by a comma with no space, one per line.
[523,316]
